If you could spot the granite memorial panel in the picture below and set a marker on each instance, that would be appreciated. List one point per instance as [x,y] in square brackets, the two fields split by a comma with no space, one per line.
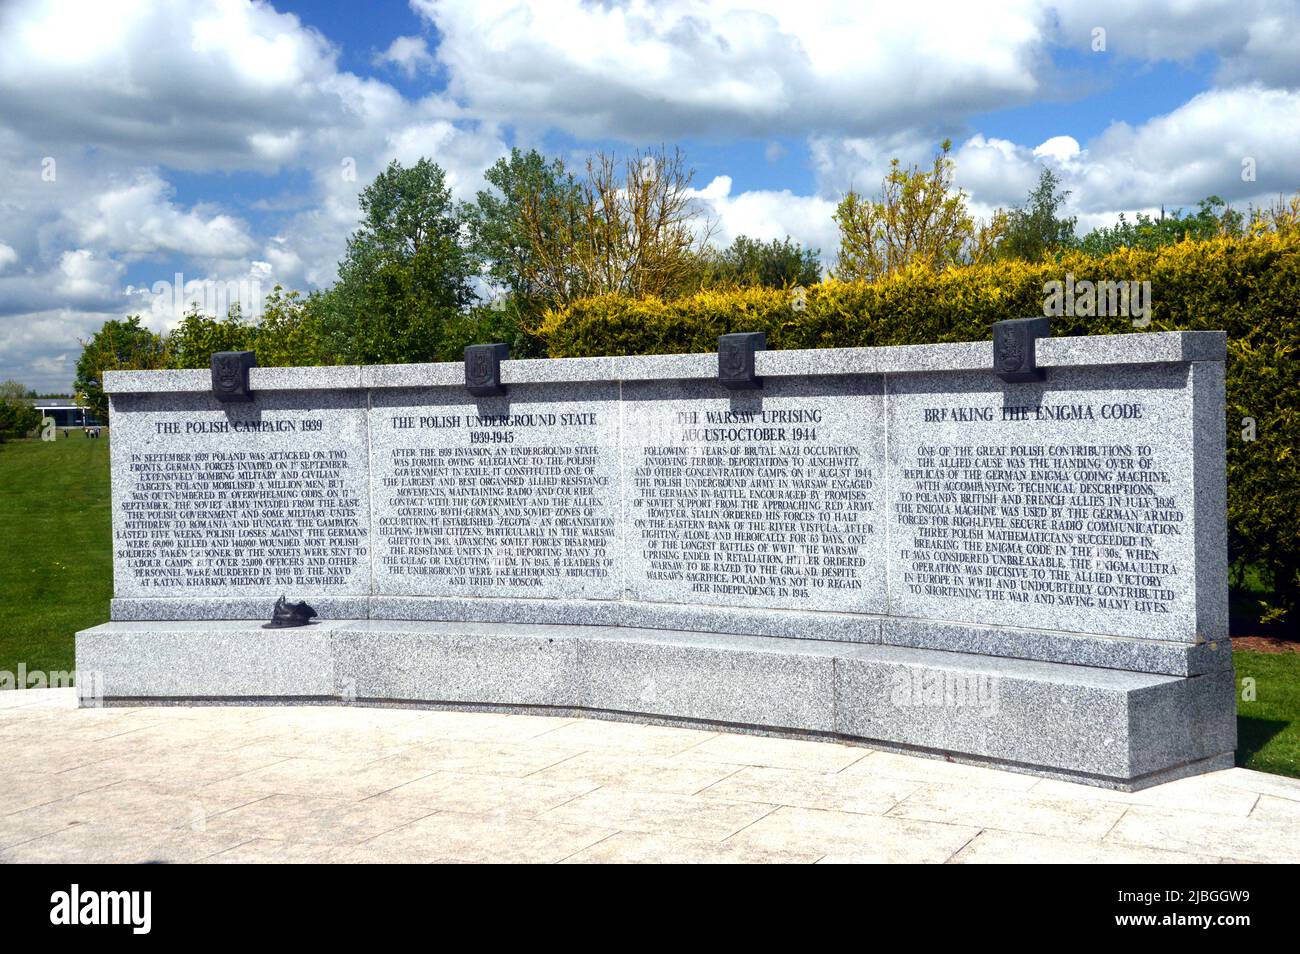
[244,500]
[759,498]
[1063,505]
[509,496]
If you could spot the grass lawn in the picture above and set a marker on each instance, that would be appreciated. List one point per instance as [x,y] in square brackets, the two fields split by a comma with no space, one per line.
[1268,729]
[56,571]
[56,578]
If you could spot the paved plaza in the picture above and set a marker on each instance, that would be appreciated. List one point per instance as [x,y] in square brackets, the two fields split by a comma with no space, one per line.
[330,784]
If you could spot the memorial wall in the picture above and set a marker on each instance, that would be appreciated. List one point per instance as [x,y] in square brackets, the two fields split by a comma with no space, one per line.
[1011,554]
[944,494]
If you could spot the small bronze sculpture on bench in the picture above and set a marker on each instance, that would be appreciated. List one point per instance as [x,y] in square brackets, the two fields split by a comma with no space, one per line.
[288,614]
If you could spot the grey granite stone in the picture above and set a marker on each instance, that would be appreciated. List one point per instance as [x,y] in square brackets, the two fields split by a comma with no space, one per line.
[560,370]
[745,680]
[1210,499]
[304,379]
[259,379]
[458,662]
[1139,348]
[243,500]
[235,607]
[496,610]
[1104,350]
[846,627]
[1184,721]
[1090,350]
[1098,726]
[877,521]
[1103,652]
[201,659]
[441,374]
[668,367]
[768,498]
[1083,525]
[157,382]
[505,496]
[842,627]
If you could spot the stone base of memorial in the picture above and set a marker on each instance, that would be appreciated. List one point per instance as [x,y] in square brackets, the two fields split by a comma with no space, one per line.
[890,546]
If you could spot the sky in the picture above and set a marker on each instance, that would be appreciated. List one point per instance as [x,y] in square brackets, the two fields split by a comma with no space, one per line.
[157,153]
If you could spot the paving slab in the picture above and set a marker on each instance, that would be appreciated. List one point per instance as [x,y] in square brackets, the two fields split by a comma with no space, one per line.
[640,773]
[361,784]
[850,837]
[456,836]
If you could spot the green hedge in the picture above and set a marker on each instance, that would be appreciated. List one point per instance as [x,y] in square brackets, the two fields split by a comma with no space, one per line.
[1248,287]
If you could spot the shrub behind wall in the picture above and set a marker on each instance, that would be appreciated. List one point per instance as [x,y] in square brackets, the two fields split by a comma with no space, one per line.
[1248,287]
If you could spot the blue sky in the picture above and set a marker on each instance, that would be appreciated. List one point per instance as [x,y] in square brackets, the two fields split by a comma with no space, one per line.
[213,138]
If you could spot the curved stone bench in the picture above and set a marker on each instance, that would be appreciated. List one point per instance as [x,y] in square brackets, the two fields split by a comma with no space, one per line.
[1106,727]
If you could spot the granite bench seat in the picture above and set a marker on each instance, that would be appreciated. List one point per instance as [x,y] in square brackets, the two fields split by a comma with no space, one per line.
[1106,727]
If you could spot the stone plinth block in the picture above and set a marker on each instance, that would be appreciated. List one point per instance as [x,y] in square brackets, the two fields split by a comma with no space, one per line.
[1097,726]
[209,660]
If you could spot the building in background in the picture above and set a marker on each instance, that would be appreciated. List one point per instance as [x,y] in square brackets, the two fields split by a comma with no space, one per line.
[65,412]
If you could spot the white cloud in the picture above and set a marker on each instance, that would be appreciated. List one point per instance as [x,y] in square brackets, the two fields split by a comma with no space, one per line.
[1174,159]
[85,277]
[123,95]
[40,349]
[675,68]
[1060,149]
[463,154]
[861,163]
[196,85]
[1196,150]
[410,54]
[994,172]
[1253,39]
[768,215]
[139,219]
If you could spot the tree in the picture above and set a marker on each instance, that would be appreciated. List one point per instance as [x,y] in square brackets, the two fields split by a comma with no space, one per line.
[1034,229]
[632,227]
[917,219]
[1282,217]
[524,180]
[409,267]
[401,323]
[526,283]
[775,264]
[124,345]
[643,230]
[17,416]
[289,332]
[1213,217]
[192,343]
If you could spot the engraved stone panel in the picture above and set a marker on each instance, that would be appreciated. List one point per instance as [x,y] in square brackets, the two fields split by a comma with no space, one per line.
[1065,505]
[250,499]
[503,496]
[770,498]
